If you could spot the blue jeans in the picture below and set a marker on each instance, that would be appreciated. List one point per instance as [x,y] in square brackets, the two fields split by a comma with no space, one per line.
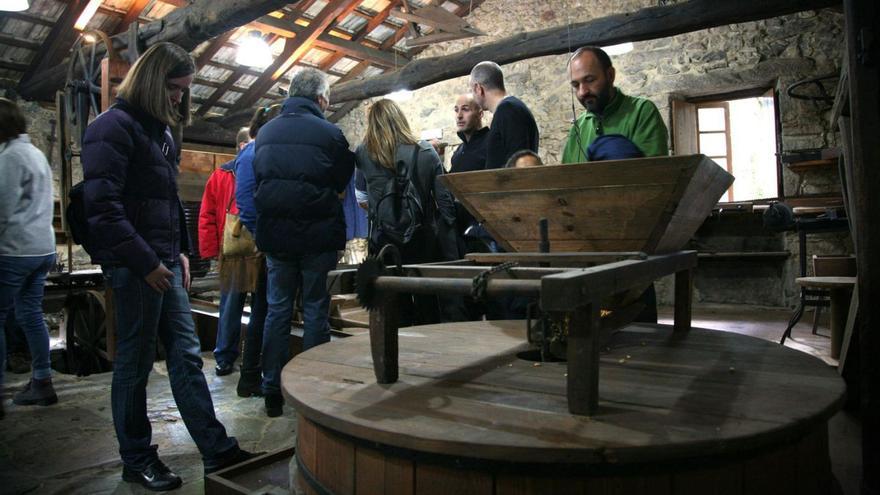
[229,327]
[22,279]
[284,280]
[143,316]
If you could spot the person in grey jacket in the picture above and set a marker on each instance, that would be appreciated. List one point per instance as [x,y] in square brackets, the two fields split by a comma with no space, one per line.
[27,248]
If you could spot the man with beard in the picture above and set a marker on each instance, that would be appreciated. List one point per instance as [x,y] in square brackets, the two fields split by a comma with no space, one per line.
[609,112]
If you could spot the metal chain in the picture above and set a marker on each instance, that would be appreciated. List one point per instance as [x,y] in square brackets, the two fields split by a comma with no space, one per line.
[481,281]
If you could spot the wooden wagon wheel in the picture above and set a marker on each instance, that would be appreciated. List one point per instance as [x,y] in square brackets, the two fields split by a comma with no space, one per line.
[84,327]
[84,82]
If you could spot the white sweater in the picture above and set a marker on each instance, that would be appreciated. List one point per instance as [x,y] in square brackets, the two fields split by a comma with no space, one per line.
[26,206]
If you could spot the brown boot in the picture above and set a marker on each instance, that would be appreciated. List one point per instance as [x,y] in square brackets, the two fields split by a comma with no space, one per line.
[36,393]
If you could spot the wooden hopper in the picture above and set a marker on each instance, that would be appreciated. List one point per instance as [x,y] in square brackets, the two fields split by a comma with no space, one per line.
[654,205]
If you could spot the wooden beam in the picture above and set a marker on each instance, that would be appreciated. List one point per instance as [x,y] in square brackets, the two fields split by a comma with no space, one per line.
[212,49]
[6,39]
[188,26]
[644,24]
[232,67]
[28,17]
[11,65]
[360,51]
[344,110]
[353,47]
[294,50]
[374,22]
[57,44]
[134,11]
[862,32]
[229,82]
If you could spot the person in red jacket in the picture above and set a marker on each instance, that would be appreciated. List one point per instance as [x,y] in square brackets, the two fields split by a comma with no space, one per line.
[218,197]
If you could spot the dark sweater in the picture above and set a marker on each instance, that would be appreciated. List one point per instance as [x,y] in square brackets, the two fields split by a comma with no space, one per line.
[471,154]
[513,129]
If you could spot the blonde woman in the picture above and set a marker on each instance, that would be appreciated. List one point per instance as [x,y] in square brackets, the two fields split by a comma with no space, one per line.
[138,236]
[390,153]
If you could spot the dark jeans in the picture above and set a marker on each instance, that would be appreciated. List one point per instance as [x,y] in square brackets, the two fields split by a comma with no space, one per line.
[21,285]
[143,316]
[284,279]
[229,327]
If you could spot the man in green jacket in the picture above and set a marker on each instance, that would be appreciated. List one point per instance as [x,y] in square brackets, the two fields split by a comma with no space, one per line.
[608,110]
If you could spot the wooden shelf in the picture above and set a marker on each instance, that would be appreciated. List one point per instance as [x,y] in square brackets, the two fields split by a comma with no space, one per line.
[801,167]
[747,255]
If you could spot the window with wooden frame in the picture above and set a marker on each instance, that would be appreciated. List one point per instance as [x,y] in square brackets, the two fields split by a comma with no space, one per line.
[739,132]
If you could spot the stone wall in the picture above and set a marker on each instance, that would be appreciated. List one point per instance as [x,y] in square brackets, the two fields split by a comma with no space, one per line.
[772,53]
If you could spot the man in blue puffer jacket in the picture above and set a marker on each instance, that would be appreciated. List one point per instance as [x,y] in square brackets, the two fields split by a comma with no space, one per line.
[302,164]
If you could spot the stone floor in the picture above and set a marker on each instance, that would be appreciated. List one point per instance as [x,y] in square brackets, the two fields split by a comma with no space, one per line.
[71,448]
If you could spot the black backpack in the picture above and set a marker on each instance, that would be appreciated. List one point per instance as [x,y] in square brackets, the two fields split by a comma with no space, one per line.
[76,216]
[399,214]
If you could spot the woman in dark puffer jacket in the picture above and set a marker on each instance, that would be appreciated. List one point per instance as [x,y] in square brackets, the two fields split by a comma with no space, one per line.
[136,227]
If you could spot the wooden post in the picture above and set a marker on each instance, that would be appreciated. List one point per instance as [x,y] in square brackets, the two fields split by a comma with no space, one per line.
[112,73]
[583,360]
[862,30]
[684,296]
[383,337]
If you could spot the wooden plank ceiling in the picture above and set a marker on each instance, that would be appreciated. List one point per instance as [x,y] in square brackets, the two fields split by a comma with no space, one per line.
[347,39]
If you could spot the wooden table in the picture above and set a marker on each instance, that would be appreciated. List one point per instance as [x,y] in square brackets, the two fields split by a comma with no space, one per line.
[841,291]
[701,412]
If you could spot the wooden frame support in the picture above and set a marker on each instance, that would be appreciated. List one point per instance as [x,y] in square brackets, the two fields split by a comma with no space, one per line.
[384,320]
[582,380]
[684,300]
[577,292]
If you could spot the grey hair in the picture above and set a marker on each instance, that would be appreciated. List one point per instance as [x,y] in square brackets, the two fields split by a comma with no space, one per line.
[309,83]
[489,75]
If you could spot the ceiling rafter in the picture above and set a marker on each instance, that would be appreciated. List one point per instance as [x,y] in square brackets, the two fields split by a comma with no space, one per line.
[28,17]
[15,41]
[132,15]
[57,44]
[228,83]
[300,45]
[345,109]
[288,29]
[213,47]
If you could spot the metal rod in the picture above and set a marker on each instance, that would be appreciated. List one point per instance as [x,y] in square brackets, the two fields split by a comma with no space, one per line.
[457,286]
[544,244]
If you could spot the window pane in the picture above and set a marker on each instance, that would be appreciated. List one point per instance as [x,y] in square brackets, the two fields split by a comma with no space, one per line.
[714,144]
[711,119]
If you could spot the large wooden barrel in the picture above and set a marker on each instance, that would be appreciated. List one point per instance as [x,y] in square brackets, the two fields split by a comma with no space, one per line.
[709,412]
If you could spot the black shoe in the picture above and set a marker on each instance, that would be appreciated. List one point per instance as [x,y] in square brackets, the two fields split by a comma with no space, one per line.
[224,462]
[249,384]
[36,393]
[223,369]
[156,477]
[274,405]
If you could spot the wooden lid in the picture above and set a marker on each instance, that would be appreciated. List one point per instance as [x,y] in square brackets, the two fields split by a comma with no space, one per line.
[463,392]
